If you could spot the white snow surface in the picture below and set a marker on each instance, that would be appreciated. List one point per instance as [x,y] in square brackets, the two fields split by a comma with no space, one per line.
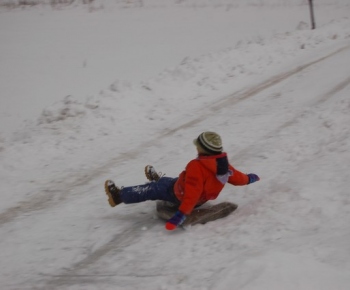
[96,91]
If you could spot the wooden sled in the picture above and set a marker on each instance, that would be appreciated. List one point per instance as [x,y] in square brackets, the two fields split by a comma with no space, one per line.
[201,215]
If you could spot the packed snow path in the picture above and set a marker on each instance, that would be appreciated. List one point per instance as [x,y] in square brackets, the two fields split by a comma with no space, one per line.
[290,228]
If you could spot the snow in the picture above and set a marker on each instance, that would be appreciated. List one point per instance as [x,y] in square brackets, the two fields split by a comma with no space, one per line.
[97,91]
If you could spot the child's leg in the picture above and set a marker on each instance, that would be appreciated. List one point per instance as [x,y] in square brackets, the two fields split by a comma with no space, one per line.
[160,190]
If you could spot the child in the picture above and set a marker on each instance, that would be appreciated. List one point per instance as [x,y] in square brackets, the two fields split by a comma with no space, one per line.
[202,180]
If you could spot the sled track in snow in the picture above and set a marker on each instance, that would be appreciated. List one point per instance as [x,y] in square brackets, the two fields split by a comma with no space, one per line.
[42,200]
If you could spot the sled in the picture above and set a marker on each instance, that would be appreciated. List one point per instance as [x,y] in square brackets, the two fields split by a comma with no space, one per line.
[201,215]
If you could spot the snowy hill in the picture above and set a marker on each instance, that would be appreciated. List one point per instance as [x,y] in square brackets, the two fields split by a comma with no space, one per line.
[94,93]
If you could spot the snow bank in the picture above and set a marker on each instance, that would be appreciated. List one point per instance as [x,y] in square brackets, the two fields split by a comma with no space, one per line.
[194,80]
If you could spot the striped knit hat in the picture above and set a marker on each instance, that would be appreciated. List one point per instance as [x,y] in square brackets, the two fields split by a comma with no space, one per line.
[210,142]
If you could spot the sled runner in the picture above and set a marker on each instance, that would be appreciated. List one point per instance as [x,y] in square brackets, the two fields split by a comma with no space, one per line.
[202,215]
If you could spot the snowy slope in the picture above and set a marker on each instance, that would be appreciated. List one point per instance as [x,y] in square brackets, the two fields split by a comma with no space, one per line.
[281,103]
[50,52]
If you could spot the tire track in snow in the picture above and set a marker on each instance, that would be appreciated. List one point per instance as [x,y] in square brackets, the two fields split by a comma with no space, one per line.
[42,200]
[252,91]
[71,275]
[340,86]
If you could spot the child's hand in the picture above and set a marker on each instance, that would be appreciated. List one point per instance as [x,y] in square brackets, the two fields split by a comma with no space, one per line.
[175,221]
[252,178]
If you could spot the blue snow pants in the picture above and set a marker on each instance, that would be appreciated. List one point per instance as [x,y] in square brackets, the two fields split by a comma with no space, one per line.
[163,189]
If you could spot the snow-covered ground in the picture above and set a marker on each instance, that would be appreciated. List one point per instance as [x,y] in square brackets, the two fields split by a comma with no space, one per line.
[90,92]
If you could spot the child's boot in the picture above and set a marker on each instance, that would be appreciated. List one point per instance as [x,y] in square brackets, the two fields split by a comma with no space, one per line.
[151,173]
[113,193]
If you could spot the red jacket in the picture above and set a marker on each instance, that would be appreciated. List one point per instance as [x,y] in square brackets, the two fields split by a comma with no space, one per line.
[199,182]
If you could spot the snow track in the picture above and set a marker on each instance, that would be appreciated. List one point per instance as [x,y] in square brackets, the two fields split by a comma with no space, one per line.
[289,128]
[250,92]
[71,276]
[118,254]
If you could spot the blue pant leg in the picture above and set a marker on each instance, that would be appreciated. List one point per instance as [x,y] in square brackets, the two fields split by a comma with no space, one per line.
[160,190]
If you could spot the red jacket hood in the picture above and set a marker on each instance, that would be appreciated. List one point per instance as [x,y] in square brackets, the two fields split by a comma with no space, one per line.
[218,164]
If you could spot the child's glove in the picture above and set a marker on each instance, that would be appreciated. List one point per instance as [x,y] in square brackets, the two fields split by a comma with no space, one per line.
[252,178]
[177,220]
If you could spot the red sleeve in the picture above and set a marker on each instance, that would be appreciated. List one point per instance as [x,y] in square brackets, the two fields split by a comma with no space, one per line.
[238,178]
[193,187]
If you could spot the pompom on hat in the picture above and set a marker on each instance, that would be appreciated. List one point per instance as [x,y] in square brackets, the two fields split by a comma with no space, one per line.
[209,142]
